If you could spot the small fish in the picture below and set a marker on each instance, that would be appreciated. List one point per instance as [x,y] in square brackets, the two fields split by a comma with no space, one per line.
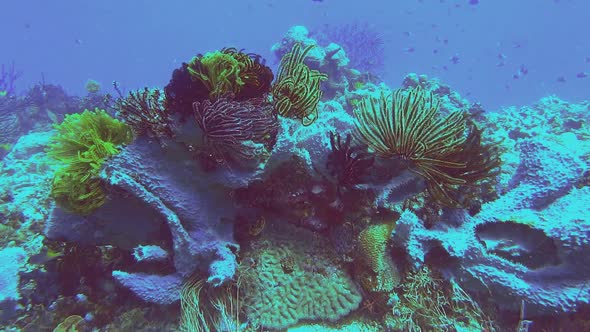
[582,74]
[524,70]
[46,255]
[455,59]
[409,50]
[52,116]
[473,2]
[561,79]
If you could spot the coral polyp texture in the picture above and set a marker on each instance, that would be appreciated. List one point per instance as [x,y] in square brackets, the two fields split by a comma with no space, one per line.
[373,242]
[236,131]
[295,277]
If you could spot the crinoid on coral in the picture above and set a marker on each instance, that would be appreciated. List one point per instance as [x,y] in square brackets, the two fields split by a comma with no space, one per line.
[296,92]
[223,73]
[235,132]
[83,142]
[206,308]
[347,163]
[144,111]
[291,274]
[446,151]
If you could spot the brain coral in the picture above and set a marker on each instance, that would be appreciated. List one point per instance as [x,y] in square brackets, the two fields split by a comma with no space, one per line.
[373,247]
[293,275]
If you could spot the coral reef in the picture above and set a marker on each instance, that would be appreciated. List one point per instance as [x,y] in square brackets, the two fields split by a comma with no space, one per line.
[82,144]
[404,125]
[373,242]
[428,302]
[535,231]
[10,125]
[296,92]
[171,202]
[235,132]
[217,74]
[144,111]
[290,275]
[230,202]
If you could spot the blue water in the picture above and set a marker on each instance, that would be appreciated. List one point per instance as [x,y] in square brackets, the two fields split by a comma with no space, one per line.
[301,165]
[139,43]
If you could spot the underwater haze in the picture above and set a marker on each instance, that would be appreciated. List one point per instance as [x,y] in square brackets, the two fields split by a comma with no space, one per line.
[301,165]
[139,43]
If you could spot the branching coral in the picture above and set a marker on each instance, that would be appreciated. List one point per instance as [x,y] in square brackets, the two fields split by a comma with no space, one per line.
[144,111]
[296,92]
[81,145]
[236,131]
[440,149]
[428,302]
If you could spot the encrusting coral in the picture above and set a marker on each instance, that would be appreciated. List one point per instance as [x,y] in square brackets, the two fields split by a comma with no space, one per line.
[83,142]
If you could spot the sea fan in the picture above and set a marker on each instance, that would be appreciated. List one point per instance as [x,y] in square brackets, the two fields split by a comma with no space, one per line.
[362,43]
